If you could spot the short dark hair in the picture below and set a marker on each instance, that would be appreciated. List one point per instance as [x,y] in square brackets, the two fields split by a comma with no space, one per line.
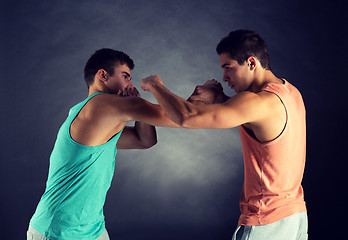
[106,59]
[241,44]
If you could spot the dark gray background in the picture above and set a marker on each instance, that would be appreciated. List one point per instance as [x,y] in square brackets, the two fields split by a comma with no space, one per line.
[188,185]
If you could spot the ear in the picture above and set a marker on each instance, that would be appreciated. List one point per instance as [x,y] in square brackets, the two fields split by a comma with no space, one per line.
[102,75]
[251,61]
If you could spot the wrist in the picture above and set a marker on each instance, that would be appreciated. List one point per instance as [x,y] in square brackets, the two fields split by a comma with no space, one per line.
[156,86]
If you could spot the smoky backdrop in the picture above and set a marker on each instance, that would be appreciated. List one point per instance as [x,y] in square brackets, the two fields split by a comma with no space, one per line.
[188,185]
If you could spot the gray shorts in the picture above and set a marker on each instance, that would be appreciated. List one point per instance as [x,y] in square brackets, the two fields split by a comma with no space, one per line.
[293,227]
[33,234]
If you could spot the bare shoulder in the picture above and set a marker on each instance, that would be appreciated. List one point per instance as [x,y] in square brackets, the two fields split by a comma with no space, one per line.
[258,98]
[118,107]
[111,103]
[105,100]
[256,107]
[270,119]
[97,122]
[247,99]
[271,102]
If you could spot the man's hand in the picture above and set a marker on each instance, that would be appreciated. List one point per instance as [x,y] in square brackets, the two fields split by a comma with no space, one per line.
[142,135]
[149,82]
[213,84]
[127,92]
[211,92]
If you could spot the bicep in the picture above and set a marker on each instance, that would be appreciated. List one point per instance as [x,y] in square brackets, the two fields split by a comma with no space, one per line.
[138,109]
[215,116]
[240,109]
[127,137]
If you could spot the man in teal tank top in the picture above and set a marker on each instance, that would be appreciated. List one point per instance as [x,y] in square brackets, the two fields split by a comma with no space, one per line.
[83,158]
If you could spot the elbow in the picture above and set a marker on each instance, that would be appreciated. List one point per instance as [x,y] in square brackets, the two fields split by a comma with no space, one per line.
[186,121]
[179,118]
[149,144]
[153,143]
[184,117]
[189,117]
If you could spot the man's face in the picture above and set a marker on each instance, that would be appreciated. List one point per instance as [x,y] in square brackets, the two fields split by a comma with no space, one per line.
[120,80]
[237,76]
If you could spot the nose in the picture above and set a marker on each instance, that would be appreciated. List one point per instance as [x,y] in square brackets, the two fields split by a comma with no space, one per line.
[225,77]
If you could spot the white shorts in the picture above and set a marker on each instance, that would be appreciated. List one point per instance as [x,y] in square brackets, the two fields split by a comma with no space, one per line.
[294,227]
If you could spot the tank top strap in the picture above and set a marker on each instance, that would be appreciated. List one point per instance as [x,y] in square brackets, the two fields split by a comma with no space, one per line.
[74,111]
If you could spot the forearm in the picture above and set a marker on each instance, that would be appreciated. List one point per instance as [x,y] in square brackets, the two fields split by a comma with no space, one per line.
[176,108]
[143,111]
[146,134]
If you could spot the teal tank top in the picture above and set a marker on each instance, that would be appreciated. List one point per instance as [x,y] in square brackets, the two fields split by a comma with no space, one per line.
[78,180]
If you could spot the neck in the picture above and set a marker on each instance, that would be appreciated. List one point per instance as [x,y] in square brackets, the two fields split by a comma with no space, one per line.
[262,78]
[94,88]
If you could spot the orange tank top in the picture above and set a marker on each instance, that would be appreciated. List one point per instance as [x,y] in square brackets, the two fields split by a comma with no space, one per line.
[273,170]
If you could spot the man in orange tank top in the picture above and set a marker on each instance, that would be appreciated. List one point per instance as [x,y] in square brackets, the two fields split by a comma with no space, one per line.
[270,114]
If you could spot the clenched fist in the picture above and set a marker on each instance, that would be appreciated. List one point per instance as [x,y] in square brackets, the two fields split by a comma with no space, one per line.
[149,82]
[127,92]
[208,93]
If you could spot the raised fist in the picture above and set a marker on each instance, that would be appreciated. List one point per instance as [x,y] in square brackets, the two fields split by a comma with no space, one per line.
[147,83]
[206,94]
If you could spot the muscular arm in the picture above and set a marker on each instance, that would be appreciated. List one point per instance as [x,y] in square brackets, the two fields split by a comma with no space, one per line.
[143,135]
[138,109]
[107,114]
[140,136]
[190,115]
[245,107]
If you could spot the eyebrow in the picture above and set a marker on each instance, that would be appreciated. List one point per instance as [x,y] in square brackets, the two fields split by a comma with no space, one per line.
[224,65]
[127,74]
